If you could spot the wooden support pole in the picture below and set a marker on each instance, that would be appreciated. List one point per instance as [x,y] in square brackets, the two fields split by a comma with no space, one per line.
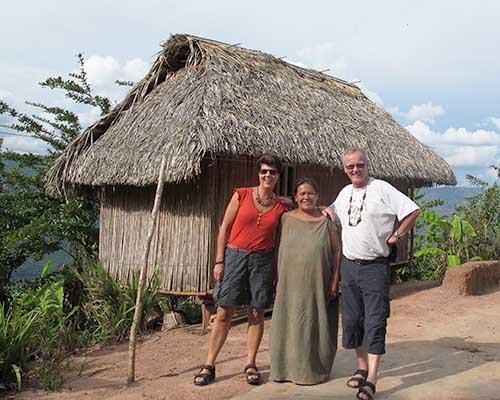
[143,273]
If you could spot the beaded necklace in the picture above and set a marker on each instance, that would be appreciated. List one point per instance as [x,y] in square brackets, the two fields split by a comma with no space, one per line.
[264,202]
[360,208]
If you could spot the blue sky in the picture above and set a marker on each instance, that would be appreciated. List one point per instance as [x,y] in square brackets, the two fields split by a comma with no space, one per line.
[434,65]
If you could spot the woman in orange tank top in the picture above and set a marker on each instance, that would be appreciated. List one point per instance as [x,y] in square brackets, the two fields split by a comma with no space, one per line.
[245,265]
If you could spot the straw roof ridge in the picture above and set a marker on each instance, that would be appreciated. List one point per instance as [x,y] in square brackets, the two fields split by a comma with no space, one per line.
[203,98]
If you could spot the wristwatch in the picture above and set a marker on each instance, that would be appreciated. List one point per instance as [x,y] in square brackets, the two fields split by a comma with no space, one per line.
[397,235]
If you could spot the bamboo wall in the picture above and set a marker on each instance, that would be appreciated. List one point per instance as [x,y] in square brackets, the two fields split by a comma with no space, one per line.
[183,246]
[184,242]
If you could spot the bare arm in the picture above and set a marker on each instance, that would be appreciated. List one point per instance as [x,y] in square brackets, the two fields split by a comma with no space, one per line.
[337,253]
[404,226]
[222,237]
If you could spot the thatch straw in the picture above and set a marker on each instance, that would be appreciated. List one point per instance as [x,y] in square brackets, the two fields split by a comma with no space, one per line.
[204,99]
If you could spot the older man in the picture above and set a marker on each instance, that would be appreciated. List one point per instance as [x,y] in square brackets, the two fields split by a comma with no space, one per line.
[368,210]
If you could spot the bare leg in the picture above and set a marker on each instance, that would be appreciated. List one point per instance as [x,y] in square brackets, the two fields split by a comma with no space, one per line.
[362,357]
[254,333]
[218,335]
[372,363]
[373,366]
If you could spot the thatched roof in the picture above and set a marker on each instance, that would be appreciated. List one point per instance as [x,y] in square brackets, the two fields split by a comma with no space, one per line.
[204,98]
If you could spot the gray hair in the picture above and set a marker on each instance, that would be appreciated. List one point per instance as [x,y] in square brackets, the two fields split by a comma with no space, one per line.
[352,151]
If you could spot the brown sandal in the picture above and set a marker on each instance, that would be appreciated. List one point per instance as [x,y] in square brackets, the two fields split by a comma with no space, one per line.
[363,391]
[253,378]
[354,382]
[206,378]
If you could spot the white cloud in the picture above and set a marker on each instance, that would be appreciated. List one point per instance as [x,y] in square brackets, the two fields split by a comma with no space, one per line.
[495,121]
[460,147]
[104,70]
[419,112]
[89,117]
[470,156]
[5,94]
[24,144]
[101,70]
[479,137]
[453,136]
[135,69]
[424,112]
[325,56]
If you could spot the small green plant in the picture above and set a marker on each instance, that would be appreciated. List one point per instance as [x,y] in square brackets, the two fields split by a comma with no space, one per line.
[182,304]
[483,212]
[446,238]
[17,328]
[108,304]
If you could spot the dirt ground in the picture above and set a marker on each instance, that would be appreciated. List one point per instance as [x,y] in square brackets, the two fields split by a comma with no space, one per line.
[425,324]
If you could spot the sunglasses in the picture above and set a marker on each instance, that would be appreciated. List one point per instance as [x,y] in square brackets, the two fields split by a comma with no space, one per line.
[272,172]
[350,167]
[264,171]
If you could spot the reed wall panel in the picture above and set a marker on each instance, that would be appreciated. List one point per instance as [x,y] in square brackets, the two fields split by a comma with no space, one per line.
[183,246]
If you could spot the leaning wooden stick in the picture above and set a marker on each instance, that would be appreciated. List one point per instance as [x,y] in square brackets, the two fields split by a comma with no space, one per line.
[142,276]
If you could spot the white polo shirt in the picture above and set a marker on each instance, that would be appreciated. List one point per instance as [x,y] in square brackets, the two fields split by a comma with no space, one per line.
[382,206]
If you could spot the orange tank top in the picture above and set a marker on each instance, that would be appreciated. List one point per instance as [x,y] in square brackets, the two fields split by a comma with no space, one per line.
[252,229]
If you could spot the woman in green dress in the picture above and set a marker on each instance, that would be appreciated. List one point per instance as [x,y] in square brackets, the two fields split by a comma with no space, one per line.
[305,314]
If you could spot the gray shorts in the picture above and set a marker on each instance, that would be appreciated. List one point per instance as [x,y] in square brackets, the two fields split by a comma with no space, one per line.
[248,279]
[365,305]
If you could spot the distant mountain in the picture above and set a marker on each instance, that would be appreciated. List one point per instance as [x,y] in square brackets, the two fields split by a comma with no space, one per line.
[31,269]
[452,197]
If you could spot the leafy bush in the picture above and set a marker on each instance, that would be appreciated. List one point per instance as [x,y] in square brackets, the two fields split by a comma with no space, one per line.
[471,233]
[17,329]
[448,239]
[41,325]
[108,305]
[483,212]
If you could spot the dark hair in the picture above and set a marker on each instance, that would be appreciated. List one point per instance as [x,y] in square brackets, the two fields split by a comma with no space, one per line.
[270,160]
[309,181]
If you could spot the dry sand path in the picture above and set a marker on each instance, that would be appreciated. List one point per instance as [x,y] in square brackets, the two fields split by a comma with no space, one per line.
[439,347]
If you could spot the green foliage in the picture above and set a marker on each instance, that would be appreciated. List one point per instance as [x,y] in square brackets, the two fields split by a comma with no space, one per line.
[17,329]
[448,239]
[108,305]
[33,224]
[483,212]
[183,304]
[42,325]
[471,234]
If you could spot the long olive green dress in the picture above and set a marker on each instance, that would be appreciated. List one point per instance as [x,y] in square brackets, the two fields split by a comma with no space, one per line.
[305,319]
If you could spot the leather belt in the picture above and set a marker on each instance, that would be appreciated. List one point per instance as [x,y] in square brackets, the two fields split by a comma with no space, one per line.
[366,262]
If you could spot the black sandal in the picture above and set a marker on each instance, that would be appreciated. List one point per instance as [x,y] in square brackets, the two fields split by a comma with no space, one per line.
[362,390]
[206,378]
[357,382]
[253,378]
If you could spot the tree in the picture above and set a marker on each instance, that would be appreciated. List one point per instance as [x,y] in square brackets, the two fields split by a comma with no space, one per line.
[33,224]
[483,212]
[471,233]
